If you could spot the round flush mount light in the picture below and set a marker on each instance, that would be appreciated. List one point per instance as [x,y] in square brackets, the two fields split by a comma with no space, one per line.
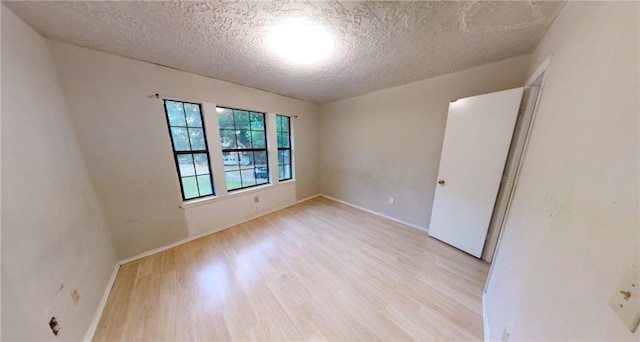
[300,42]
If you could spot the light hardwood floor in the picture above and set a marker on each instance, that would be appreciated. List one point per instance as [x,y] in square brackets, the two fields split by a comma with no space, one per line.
[317,270]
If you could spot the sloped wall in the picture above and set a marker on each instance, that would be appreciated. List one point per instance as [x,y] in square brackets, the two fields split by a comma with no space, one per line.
[573,228]
[54,237]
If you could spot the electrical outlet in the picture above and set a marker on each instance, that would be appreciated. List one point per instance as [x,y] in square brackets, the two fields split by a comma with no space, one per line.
[75,295]
[391,200]
[256,199]
[626,299]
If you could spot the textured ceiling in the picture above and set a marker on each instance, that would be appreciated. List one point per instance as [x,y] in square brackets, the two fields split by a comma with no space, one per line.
[378,44]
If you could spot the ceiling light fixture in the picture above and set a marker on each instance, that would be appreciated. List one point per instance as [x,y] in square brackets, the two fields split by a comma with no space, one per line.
[300,42]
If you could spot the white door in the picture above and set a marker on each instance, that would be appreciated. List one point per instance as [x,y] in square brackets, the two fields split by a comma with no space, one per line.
[476,143]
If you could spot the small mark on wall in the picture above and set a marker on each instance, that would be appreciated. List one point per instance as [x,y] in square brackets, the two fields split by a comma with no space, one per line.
[55,327]
[75,295]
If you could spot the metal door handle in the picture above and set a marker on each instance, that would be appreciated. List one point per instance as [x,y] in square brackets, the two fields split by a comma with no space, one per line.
[441,182]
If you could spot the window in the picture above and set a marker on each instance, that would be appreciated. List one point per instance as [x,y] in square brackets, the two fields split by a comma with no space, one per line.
[283,131]
[244,148]
[190,150]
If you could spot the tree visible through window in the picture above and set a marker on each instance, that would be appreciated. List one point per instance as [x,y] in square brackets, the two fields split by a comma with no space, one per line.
[244,148]
[283,131]
[190,149]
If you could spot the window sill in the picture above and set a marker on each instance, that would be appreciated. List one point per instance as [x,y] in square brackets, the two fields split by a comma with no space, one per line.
[229,195]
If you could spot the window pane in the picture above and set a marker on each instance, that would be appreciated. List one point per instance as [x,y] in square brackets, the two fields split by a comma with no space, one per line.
[257,121]
[227,138]
[260,158]
[231,161]
[175,113]
[246,160]
[233,180]
[204,183]
[258,139]
[262,180]
[190,187]
[196,136]
[261,174]
[243,137]
[242,120]
[193,115]
[246,139]
[284,138]
[278,123]
[225,118]
[185,163]
[280,157]
[241,130]
[202,163]
[284,172]
[186,129]
[248,178]
[286,158]
[287,172]
[180,139]
[285,124]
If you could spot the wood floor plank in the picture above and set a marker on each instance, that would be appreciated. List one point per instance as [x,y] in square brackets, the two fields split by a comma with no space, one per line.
[319,270]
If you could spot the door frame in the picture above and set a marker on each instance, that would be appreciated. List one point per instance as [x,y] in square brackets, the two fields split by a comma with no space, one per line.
[538,76]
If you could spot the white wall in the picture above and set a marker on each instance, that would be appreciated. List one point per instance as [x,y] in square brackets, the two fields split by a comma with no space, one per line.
[388,143]
[54,237]
[124,138]
[573,228]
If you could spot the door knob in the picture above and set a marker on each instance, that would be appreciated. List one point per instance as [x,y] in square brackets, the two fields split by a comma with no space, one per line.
[441,182]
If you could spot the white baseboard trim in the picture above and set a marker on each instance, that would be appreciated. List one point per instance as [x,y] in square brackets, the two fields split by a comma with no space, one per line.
[485,318]
[215,230]
[424,229]
[103,302]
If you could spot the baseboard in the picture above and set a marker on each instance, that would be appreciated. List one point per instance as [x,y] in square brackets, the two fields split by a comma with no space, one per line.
[485,317]
[424,229]
[208,232]
[103,302]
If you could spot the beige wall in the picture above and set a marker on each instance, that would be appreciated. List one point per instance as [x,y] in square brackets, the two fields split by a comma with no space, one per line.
[573,228]
[571,233]
[124,138]
[387,143]
[54,237]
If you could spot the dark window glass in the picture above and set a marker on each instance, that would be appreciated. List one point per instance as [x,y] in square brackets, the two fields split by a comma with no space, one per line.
[190,151]
[283,132]
[244,148]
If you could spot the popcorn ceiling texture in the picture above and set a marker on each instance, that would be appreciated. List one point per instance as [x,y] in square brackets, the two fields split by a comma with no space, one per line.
[378,44]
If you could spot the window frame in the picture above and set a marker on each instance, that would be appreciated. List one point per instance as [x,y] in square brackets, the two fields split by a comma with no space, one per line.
[241,150]
[191,151]
[290,148]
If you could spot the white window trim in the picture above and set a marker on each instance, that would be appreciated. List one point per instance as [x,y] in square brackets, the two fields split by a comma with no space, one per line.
[212,199]
[210,117]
